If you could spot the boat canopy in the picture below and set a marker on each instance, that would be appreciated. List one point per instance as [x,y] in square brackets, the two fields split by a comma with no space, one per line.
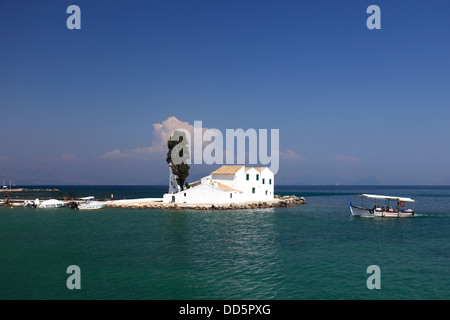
[374,196]
[87,198]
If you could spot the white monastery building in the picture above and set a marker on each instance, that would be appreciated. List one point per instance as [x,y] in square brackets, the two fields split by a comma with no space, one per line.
[228,184]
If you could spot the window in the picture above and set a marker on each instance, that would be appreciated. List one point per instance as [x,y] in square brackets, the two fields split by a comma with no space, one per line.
[185,194]
[264,180]
[253,190]
[257,177]
[266,192]
[231,195]
[270,181]
[248,176]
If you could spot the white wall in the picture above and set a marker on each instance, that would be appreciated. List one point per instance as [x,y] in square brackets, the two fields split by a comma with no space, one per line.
[258,185]
[204,193]
[207,193]
[267,184]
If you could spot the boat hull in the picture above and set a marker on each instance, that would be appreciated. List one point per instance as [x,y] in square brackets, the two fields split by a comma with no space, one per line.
[92,206]
[51,204]
[363,212]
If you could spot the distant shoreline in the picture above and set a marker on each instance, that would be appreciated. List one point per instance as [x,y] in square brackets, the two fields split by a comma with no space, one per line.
[54,187]
[26,190]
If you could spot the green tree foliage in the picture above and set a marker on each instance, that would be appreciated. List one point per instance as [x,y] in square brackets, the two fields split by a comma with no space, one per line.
[177,157]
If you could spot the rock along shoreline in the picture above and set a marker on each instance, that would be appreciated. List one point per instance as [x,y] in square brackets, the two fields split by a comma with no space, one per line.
[279,201]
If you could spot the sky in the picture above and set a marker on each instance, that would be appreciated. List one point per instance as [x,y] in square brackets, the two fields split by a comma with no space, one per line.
[352,105]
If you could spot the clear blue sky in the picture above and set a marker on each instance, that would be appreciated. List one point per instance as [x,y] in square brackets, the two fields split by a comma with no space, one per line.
[353,105]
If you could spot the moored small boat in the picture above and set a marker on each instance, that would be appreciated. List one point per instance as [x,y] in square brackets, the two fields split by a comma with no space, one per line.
[92,205]
[87,203]
[52,203]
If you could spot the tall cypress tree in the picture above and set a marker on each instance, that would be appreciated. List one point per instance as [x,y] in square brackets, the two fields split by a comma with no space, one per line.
[177,157]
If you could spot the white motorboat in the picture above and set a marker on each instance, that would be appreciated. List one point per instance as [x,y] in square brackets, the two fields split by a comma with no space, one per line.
[28,203]
[52,203]
[87,203]
[385,209]
[92,205]
[17,204]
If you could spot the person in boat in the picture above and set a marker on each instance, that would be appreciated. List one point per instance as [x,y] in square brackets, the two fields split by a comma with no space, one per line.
[390,209]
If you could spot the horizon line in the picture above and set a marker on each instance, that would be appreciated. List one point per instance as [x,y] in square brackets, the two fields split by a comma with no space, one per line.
[164,185]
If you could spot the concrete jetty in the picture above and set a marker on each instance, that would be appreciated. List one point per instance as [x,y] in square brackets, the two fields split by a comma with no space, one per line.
[157,203]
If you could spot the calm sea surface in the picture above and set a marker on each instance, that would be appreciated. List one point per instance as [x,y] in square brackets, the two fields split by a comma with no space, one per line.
[314,251]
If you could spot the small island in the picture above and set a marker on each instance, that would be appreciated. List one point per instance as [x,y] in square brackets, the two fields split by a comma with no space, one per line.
[227,188]
[230,187]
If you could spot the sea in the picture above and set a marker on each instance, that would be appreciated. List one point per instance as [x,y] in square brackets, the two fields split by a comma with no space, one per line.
[316,251]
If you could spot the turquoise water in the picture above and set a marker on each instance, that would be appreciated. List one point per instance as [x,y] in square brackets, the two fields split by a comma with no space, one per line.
[314,251]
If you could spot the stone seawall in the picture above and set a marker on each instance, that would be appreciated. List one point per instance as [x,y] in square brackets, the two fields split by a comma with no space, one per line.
[285,201]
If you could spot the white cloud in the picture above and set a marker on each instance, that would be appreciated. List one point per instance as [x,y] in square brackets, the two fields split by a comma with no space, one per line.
[62,157]
[346,159]
[68,156]
[291,156]
[6,158]
[161,134]
[115,154]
